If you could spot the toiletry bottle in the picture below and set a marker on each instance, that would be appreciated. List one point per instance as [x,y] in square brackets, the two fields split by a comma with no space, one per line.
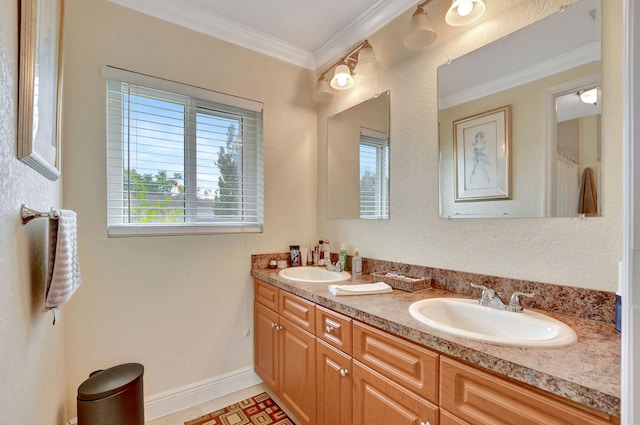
[356,264]
[327,253]
[321,253]
[343,256]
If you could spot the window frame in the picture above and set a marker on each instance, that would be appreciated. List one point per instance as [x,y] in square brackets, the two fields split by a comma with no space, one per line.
[199,101]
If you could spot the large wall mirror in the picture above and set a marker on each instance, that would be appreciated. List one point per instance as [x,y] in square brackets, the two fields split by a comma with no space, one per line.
[358,161]
[520,122]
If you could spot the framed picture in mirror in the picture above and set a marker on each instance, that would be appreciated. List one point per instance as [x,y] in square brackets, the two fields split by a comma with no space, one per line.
[482,149]
[40,86]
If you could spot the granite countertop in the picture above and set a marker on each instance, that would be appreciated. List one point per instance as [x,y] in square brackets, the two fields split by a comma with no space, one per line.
[587,372]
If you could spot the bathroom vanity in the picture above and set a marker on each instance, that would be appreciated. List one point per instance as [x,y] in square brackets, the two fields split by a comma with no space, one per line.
[363,359]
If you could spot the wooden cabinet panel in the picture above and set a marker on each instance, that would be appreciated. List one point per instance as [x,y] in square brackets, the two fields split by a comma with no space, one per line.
[406,363]
[447,418]
[380,401]
[335,386]
[265,344]
[298,310]
[297,371]
[481,398]
[335,329]
[265,294]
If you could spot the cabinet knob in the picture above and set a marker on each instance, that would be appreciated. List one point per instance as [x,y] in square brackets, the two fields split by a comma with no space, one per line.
[344,373]
[278,328]
[425,423]
[329,329]
[274,325]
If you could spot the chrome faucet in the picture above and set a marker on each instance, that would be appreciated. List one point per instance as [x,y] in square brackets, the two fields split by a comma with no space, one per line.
[334,268]
[489,298]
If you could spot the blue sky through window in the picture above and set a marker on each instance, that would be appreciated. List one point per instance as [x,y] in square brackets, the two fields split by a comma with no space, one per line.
[158,129]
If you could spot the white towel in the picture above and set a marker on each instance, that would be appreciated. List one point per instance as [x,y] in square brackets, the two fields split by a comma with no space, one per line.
[361,289]
[64,270]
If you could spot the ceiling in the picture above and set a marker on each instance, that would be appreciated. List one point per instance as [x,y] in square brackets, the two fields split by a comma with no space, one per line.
[302,32]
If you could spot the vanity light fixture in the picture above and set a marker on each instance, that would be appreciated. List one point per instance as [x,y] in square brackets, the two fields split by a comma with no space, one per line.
[589,96]
[360,60]
[323,92]
[463,12]
[421,33]
[342,79]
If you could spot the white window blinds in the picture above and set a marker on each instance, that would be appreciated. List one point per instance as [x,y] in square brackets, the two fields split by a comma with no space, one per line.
[181,159]
[374,174]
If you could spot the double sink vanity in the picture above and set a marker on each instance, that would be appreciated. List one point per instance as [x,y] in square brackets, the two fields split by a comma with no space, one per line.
[428,357]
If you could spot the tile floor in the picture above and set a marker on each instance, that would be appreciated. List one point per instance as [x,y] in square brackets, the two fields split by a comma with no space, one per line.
[180,417]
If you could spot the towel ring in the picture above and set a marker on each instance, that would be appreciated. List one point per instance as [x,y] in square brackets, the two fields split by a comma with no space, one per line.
[29,214]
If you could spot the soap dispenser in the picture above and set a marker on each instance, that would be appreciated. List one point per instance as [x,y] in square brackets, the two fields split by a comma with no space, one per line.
[356,264]
[343,256]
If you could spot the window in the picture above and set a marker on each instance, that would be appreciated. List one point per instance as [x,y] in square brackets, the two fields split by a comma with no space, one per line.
[374,174]
[181,159]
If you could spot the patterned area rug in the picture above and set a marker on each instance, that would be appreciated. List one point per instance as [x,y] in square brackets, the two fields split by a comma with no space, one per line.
[258,410]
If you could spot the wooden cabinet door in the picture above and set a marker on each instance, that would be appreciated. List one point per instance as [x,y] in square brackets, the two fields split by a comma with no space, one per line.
[335,386]
[481,398]
[265,347]
[297,371]
[380,401]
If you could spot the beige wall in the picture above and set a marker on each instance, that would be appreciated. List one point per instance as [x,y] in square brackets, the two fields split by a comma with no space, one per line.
[178,305]
[566,251]
[31,349]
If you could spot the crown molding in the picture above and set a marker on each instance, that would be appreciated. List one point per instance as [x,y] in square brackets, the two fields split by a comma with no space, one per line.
[534,72]
[186,15]
[366,24]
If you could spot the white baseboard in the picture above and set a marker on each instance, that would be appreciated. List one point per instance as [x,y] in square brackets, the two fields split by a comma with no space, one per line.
[181,398]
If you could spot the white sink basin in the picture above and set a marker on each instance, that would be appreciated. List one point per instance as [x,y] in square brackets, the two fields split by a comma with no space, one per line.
[313,275]
[466,318]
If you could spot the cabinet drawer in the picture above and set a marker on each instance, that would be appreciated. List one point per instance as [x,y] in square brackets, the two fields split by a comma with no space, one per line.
[265,294]
[335,329]
[300,311]
[404,362]
[380,401]
[481,398]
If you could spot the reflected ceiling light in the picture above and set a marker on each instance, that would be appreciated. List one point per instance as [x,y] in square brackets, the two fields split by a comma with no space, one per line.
[323,91]
[342,79]
[421,33]
[360,60]
[463,12]
[589,96]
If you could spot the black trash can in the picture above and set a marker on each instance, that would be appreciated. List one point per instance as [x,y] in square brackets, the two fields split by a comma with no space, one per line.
[112,396]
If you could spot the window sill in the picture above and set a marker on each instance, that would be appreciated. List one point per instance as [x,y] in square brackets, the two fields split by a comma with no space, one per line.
[135,230]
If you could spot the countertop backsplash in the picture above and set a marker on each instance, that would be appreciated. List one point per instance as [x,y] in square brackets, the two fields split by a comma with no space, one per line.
[572,301]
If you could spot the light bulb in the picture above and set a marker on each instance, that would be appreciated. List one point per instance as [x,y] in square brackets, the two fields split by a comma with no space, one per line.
[465,8]
[342,80]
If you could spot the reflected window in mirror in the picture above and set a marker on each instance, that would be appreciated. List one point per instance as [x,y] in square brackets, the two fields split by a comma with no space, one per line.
[374,174]
[358,149]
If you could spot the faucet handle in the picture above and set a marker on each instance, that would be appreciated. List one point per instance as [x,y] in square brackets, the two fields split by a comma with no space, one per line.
[514,301]
[487,293]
